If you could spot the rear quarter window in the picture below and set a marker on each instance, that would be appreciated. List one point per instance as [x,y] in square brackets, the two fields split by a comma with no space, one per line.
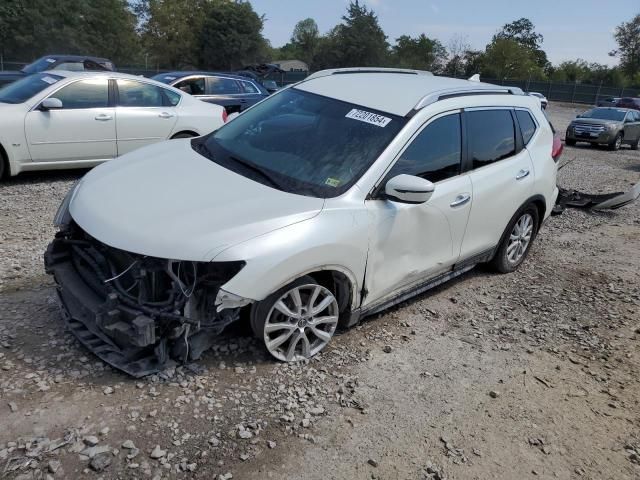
[527,125]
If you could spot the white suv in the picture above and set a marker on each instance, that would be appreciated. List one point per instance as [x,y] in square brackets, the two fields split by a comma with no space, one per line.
[333,199]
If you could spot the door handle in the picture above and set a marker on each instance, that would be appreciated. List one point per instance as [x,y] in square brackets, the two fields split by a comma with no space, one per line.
[522,174]
[460,200]
[166,115]
[103,117]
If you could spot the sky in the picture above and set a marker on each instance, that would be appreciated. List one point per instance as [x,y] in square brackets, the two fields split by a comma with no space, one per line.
[571,28]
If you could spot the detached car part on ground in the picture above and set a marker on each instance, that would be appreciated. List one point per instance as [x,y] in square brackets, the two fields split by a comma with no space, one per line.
[327,202]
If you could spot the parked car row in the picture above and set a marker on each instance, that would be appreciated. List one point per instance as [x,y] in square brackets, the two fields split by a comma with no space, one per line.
[74,63]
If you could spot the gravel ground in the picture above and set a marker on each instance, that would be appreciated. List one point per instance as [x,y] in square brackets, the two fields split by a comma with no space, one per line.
[528,375]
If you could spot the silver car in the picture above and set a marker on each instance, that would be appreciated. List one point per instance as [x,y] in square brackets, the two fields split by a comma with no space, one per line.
[605,125]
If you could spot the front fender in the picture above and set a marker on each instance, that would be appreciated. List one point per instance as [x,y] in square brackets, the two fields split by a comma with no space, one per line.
[333,240]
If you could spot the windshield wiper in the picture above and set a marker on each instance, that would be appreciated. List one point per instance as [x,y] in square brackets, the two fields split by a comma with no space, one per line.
[254,168]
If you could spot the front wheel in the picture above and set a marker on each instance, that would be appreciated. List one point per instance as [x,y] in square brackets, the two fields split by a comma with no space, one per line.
[616,143]
[297,321]
[516,241]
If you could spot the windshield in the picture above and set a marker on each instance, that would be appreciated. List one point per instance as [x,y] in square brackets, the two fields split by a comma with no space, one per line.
[39,65]
[605,114]
[302,143]
[25,88]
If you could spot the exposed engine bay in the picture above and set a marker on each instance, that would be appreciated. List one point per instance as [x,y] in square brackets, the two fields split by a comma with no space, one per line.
[137,313]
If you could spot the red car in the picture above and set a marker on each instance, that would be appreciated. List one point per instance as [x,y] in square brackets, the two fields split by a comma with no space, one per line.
[629,102]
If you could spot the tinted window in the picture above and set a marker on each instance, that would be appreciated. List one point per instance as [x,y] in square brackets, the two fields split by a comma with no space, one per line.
[302,143]
[84,94]
[70,66]
[25,88]
[527,125]
[248,87]
[192,86]
[435,153]
[490,136]
[223,86]
[39,65]
[138,94]
[172,98]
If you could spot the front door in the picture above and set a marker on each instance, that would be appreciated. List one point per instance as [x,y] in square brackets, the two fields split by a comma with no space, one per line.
[145,114]
[83,129]
[411,243]
[632,127]
[502,176]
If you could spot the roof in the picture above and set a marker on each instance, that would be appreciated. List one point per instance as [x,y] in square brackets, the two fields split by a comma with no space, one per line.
[76,57]
[182,74]
[388,90]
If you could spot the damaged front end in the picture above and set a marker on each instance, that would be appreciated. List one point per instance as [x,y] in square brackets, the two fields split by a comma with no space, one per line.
[140,314]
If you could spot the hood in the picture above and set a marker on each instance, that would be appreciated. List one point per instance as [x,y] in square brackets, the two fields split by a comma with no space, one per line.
[595,121]
[168,201]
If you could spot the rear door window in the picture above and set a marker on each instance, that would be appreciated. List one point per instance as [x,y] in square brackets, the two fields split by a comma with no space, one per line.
[223,86]
[248,87]
[527,125]
[132,93]
[435,153]
[490,136]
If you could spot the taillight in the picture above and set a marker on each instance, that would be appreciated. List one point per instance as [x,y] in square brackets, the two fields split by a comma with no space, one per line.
[224,115]
[556,149]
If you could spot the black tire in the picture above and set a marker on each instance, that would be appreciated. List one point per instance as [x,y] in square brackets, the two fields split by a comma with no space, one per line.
[616,143]
[569,142]
[183,135]
[501,262]
[635,145]
[261,311]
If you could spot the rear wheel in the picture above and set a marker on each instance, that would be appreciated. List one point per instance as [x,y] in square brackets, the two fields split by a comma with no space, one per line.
[516,240]
[297,321]
[616,143]
[570,142]
[636,144]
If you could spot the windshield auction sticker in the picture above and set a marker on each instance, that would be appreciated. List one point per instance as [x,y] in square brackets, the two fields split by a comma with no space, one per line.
[368,117]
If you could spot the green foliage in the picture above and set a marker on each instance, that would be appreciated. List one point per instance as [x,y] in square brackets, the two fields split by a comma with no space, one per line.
[421,53]
[32,28]
[581,71]
[506,58]
[305,39]
[231,36]
[523,32]
[627,35]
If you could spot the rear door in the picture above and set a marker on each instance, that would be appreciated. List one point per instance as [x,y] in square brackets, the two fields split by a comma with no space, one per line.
[83,129]
[226,92]
[145,114]
[632,126]
[251,93]
[501,173]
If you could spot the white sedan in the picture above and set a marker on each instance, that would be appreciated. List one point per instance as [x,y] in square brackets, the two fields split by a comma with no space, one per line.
[60,119]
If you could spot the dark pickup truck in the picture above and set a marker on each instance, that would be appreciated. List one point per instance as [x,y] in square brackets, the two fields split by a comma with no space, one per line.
[57,62]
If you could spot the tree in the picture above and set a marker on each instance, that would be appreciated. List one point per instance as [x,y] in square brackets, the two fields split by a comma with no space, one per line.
[457,48]
[305,39]
[627,35]
[523,32]
[421,53]
[357,42]
[231,35]
[506,58]
[171,31]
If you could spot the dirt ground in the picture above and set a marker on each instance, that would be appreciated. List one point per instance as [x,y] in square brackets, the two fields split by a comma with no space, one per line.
[527,375]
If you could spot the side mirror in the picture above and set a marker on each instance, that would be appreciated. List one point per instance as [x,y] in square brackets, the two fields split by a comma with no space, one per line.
[408,189]
[51,104]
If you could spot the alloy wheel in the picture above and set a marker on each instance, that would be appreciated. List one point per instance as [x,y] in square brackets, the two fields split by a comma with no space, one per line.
[520,238]
[301,322]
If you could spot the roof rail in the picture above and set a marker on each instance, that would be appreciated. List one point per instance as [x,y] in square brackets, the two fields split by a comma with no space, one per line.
[341,71]
[464,91]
